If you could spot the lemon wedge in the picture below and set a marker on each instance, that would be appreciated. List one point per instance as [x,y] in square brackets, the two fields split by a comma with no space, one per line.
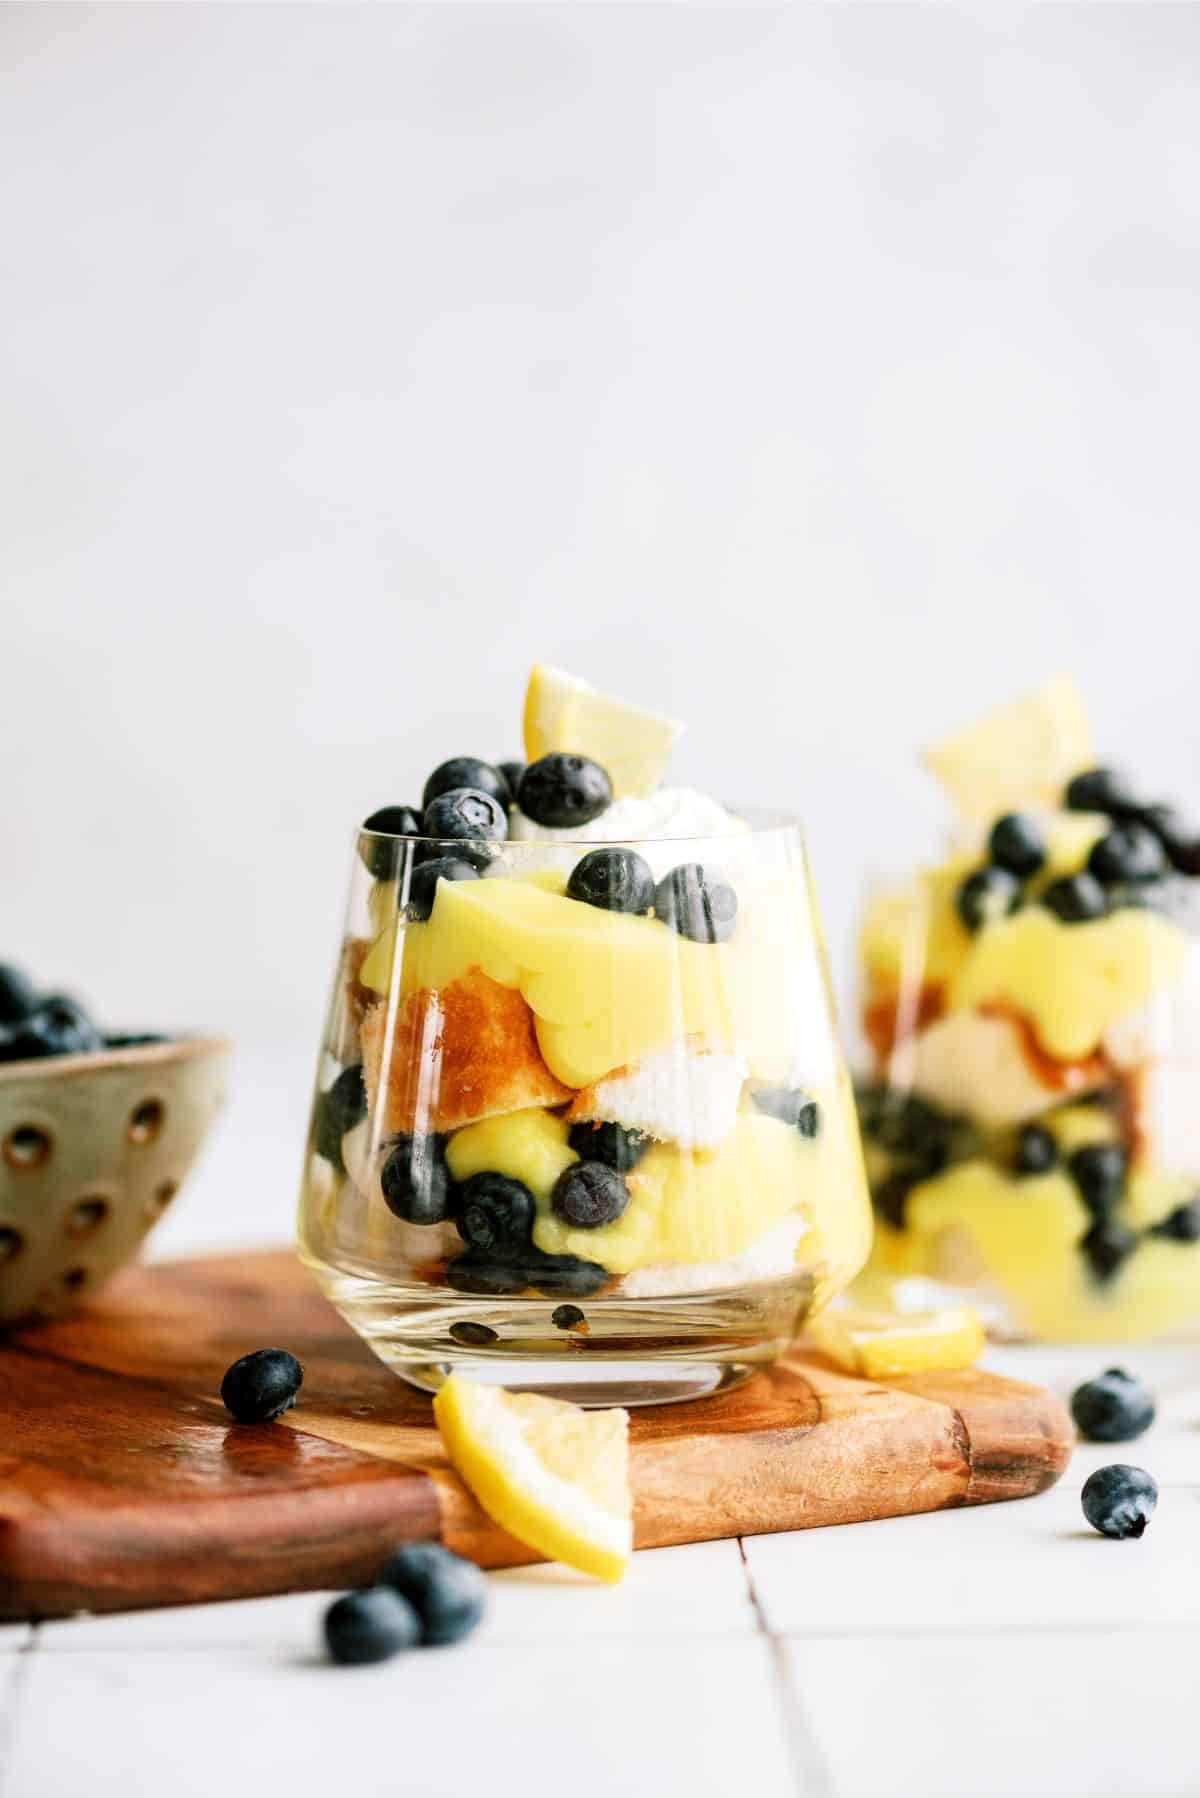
[1020,754]
[550,1473]
[565,714]
[884,1344]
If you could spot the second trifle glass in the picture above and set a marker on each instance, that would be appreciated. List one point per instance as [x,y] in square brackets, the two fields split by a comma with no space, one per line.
[582,1121]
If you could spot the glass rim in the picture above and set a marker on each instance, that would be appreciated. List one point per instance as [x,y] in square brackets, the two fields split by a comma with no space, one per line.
[758,822]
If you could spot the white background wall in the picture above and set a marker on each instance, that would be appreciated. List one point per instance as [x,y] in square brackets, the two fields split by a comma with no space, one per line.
[822,375]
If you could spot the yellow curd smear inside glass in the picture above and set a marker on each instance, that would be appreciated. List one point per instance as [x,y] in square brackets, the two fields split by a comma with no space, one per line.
[607,990]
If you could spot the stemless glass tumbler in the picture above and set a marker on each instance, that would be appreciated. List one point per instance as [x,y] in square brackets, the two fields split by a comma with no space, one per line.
[606,1153]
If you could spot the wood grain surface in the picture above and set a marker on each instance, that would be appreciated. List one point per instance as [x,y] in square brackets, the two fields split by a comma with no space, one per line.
[124,1483]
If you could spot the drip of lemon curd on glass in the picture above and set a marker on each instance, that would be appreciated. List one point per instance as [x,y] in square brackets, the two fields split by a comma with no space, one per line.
[1032,1118]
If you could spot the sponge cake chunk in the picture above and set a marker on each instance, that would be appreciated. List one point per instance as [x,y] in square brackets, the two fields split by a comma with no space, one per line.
[453,1056]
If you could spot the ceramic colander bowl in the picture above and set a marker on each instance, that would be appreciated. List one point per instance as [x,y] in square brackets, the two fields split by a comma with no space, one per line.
[93,1148]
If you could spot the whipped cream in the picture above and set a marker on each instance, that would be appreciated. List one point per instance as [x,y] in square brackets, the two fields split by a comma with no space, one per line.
[772,1257]
[669,813]
[666,816]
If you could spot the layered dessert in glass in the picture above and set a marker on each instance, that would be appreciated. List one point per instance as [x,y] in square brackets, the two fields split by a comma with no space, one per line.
[581,1103]
[1032,1005]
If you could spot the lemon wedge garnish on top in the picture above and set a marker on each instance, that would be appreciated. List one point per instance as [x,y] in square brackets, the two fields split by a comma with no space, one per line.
[565,714]
[1021,754]
[550,1473]
[884,1344]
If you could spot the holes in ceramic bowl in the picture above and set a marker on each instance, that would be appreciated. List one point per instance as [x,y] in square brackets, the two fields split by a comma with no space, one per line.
[11,1243]
[161,1197]
[26,1147]
[146,1121]
[86,1216]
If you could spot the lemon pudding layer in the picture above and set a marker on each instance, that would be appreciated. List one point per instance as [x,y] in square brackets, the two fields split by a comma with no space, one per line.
[1033,1009]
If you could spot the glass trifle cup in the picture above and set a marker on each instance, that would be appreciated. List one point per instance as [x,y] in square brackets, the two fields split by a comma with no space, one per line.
[582,1120]
[1032,1002]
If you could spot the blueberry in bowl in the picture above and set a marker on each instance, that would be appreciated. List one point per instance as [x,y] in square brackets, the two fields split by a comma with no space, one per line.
[98,1130]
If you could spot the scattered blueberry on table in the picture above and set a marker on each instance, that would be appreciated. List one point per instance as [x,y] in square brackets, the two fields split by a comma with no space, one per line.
[365,1627]
[1119,1500]
[1114,1407]
[447,1593]
[262,1385]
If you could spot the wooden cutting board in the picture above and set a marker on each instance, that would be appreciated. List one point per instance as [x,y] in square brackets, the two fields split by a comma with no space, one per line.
[124,1483]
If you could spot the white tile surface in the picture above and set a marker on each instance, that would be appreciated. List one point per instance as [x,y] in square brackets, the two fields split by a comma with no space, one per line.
[1030,1565]
[1103,1715]
[588,1717]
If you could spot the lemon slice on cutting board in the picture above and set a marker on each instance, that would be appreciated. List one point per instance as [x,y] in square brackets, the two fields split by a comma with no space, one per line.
[884,1344]
[550,1473]
[565,714]
[1020,754]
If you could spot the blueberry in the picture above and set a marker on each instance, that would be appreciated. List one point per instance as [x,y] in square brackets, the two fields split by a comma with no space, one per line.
[1182,1224]
[466,813]
[495,1214]
[1113,1408]
[564,790]
[589,1194]
[1076,899]
[422,887]
[338,1110]
[512,772]
[1036,1151]
[790,1105]
[415,1181]
[1128,853]
[472,1335]
[567,1317]
[484,1275]
[448,1594]
[1107,1246]
[555,1275]
[890,1198]
[987,896]
[1119,1500]
[1180,839]
[1101,790]
[467,771]
[18,995]
[1098,1170]
[896,1120]
[364,1627]
[380,858]
[260,1386]
[1017,845]
[614,880]
[611,1143]
[57,1027]
[697,902]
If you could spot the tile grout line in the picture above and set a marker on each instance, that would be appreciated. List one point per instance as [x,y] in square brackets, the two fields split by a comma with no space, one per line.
[809,1767]
[10,1712]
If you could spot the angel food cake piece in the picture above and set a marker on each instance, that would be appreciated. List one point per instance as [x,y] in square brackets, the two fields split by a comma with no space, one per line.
[588,1069]
[1053,957]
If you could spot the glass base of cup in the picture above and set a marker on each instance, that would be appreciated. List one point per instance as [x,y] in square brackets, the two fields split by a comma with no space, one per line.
[595,1352]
